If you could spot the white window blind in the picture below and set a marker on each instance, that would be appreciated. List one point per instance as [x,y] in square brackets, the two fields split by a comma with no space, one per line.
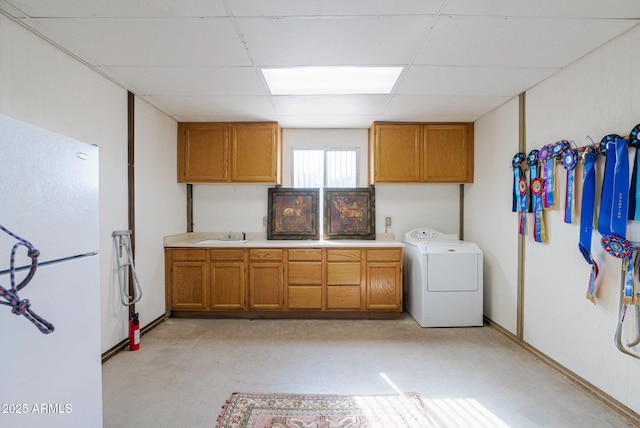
[317,168]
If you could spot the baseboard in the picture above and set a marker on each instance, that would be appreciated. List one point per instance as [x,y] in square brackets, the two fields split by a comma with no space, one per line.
[123,344]
[631,416]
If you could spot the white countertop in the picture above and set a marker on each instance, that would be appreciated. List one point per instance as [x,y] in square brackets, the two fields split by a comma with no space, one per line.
[259,240]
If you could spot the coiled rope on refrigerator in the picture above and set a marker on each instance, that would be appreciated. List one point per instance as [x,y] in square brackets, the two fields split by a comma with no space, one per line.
[18,306]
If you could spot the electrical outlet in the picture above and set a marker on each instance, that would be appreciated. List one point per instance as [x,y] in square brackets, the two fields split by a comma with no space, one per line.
[387,221]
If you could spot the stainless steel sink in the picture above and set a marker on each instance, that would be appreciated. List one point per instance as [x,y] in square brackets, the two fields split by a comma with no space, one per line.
[229,241]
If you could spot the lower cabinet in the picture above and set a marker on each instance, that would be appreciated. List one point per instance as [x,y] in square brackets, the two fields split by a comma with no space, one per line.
[384,273]
[227,283]
[266,274]
[304,278]
[294,280]
[188,279]
[344,279]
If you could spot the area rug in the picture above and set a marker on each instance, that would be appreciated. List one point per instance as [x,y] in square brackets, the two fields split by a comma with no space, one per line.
[245,410]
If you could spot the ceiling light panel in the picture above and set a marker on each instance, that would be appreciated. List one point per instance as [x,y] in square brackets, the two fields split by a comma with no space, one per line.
[331,80]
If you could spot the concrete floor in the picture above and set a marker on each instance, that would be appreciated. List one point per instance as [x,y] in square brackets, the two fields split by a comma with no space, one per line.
[467,377]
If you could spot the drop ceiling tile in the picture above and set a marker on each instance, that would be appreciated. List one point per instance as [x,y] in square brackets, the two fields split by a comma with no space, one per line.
[119,8]
[333,7]
[149,42]
[423,105]
[334,41]
[236,108]
[477,81]
[191,81]
[546,8]
[330,105]
[516,42]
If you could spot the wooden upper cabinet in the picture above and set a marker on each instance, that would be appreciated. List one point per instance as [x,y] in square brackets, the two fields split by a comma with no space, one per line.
[448,154]
[229,152]
[203,152]
[256,153]
[394,153]
[421,153]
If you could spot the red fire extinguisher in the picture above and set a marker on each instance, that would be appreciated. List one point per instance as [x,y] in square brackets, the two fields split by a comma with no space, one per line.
[134,332]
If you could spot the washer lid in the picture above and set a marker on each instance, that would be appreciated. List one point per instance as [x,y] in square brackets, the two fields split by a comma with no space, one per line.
[459,247]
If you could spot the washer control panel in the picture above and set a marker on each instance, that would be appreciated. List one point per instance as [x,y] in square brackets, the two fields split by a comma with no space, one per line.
[424,234]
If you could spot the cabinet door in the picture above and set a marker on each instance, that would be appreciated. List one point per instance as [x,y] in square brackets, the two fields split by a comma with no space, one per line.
[189,290]
[227,285]
[203,152]
[256,153]
[384,286]
[395,153]
[266,283]
[448,154]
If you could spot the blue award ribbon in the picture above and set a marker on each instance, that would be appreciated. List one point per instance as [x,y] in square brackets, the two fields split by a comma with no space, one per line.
[589,157]
[516,162]
[569,162]
[634,190]
[606,198]
[629,282]
[620,199]
[587,204]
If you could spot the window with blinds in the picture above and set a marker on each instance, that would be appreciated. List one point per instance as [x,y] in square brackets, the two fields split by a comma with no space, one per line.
[318,168]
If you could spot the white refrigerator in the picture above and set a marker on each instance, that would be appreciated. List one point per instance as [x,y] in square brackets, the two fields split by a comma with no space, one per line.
[49,197]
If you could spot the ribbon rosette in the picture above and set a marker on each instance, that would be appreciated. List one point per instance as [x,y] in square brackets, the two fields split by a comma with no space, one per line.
[621,248]
[617,246]
[560,147]
[537,189]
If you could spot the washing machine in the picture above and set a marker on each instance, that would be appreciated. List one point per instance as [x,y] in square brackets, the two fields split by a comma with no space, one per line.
[443,279]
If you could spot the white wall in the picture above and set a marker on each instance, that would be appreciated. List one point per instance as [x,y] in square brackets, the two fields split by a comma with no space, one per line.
[594,96]
[489,221]
[241,207]
[41,85]
[160,203]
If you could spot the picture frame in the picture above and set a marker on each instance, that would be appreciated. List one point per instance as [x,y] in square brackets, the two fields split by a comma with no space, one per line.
[349,213]
[293,213]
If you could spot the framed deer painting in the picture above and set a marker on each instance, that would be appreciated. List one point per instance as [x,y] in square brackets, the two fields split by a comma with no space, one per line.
[293,214]
[349,213]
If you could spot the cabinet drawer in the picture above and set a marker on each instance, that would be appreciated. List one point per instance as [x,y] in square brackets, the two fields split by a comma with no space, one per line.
[304,273]
[236,254]
[185,254]
[343,255]
[305,297]
[343,297]
[343,274]
[387,254]
[304,254]
[264,254]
